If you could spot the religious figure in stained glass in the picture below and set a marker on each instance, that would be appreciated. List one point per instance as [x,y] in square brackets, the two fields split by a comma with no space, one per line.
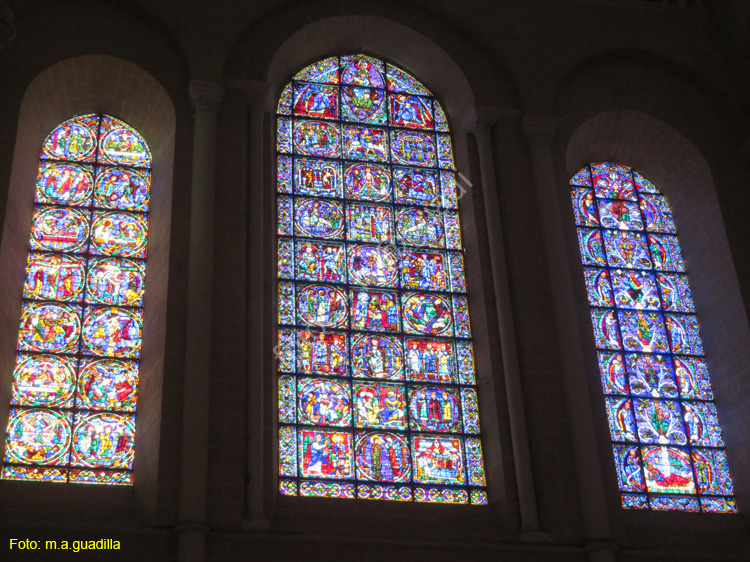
[377,395]
[75,383]
[665,431]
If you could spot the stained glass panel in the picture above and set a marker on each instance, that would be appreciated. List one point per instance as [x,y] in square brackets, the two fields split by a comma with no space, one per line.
[668,448]
[376,387]
[75,383]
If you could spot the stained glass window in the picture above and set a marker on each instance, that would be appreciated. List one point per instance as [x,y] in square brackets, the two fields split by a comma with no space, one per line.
[667,444]
[75,382]
[377,395]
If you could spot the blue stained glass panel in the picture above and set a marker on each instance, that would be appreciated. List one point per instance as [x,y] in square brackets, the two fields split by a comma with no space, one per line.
[612,181]
[413,148]
[377,311]
[284,174]
[441,123]
[324,402]
[666,253]
[314,176]
[626,249]
[412,112]
[384,456]
[613,374]
[629,468]
[365,143]
[379,405]
[74,140]
[416,186]
[368,181]
[374,321]
[582,178]
[465,362]
[373,265]
[643,331]
[317,218]
[284,107]
[658,394]
[592,247]
[635,289]
[692,378]
[623,215]
[284,134]
[324,353]
[320,261]
[427,314]
[606,330]
[369,223]
[318,101]
[428,271]
[325,71]
[702,424]
[430,360]
[657,214]
[449,188]
[316,138]
[435,408]
[584,207]
[363,105]
[64,184]
[420,227]
[651,375]
[377,356]
[361,70]
[598,286]
[659,421]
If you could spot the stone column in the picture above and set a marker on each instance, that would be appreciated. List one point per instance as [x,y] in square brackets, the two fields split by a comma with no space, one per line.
[260,197]
[193,528]
[600,547]
[516,412]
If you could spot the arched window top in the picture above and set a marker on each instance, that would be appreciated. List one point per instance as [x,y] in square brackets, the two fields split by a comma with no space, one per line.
[665,431]
[75,383]
[377,395]
[99,139]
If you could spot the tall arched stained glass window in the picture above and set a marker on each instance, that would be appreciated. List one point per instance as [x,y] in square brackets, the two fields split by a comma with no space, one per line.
[377,396]
[666,437]
[75,382]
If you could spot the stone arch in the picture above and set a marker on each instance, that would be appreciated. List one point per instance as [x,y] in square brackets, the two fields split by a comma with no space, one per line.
[88,84]
[459,73]
[682,173]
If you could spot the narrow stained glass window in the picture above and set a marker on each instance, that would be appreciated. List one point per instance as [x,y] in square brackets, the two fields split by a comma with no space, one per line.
[667,444]
[75,382]
[377,396]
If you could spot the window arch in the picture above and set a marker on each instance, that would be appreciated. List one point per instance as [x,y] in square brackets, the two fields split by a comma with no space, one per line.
[377,395]
[666,437]
[75,382]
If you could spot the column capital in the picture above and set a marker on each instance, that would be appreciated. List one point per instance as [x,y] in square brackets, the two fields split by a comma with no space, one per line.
[257,93]
[539,128]
[485,116]
[206,95]
[7,29]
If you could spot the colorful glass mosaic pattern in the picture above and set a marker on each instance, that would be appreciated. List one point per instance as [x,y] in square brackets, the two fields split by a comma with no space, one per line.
[377,396]
[75,383]
[666,437]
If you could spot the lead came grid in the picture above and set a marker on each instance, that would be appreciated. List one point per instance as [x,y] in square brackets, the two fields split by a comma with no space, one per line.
[666,437]
[377,395]
[75,382]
